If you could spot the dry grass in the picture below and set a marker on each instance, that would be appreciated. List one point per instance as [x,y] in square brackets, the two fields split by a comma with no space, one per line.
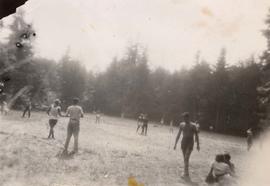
[109,154]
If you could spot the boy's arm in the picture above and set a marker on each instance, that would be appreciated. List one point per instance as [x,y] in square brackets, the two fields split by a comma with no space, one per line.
[197,139]
[67,112]
[177,137]
[59,112]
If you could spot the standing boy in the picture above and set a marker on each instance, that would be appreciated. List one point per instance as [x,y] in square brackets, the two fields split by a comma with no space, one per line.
[54,112]
[74,112]
[145,124]
[98,117]
[171,126]
[189,130]
[28,108]
[139,122]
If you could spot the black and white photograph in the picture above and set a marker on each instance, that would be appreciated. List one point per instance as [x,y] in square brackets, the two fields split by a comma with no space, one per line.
[134,92]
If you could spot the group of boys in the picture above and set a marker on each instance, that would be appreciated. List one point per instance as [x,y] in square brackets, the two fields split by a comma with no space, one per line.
[143,123]
[222,170]
[74,112]
[257,133]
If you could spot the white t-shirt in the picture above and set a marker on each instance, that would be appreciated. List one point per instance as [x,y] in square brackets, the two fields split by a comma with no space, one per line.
[249,132]
[54,112]
[220,168]
[74,112]
[224,172]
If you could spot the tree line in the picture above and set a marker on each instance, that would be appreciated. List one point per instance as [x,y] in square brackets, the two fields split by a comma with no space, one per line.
[222,96]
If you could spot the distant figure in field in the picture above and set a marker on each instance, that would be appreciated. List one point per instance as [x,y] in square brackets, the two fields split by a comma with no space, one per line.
[4,108]
[189,132]
[53,112]
[145,124]
[27,109]
[98,116]
[139,122]
[171,126]
[74,112]
[162,121]
[255,134]
[197,126]
[249,139]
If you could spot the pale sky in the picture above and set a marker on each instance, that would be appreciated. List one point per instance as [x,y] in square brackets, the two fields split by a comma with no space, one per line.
[173,31]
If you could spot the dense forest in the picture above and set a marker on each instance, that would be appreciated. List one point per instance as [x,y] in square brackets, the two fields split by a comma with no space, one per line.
[223,96]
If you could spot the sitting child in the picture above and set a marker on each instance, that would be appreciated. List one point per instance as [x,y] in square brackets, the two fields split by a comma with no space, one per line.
[221,172]
[227,160]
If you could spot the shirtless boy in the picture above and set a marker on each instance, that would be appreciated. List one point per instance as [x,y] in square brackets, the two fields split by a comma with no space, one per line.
[189,130]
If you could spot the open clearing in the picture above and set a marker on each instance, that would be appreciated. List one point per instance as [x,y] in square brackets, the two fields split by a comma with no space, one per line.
[109,153]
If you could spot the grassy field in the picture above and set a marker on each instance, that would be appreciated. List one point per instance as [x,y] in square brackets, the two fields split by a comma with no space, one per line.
[109,153]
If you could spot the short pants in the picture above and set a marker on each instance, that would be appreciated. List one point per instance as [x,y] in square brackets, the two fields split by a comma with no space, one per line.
[187,144]
[52,122]
[73,127]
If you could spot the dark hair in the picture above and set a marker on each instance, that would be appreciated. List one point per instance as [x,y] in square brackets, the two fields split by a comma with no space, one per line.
[227,157]
[220,158]
[185,114]
[57,101]
[75,100]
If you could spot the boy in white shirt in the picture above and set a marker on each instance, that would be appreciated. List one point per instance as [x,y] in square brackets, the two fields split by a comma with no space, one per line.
[53,112]
[74,112]
[222,171]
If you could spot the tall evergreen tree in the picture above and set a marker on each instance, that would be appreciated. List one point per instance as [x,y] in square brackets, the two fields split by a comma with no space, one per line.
[220,94]
[72,76]
[18,62]
[264,89]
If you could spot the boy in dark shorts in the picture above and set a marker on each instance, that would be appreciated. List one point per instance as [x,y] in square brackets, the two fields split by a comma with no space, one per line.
[75,112]
[27,109]
[54,112]
[189,130]
[139,122]
[145,124]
